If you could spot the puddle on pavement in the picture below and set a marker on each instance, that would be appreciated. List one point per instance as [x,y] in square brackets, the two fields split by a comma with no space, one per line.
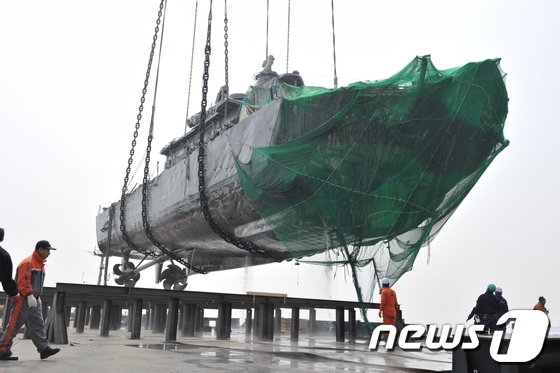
[164,346]
[221,354]
[216,358]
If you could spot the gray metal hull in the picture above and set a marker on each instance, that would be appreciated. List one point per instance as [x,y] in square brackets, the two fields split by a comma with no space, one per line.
[174,211]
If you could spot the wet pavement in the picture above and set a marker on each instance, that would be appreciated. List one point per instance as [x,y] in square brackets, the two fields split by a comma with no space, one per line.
[88,352]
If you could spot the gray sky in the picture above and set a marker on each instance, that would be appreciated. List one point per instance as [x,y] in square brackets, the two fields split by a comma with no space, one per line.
[71,73]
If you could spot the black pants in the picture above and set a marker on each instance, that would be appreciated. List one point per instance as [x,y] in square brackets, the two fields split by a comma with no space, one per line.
[489,322]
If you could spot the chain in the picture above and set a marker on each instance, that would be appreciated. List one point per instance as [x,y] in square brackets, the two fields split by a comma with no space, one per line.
[267,20]
[334,45]
[242,244]
[133,145]
[145,222]
[288,39]
[146,168]
[226,44]
[192,63]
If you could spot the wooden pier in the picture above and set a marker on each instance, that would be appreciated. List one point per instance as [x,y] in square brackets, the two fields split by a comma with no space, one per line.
[170,311]
[81,317]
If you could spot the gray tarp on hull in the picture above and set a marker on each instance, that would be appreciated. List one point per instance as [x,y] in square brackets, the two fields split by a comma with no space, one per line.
[175,215]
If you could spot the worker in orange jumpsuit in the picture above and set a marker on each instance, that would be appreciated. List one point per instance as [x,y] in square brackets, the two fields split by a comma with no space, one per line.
[389,306]
[30,275]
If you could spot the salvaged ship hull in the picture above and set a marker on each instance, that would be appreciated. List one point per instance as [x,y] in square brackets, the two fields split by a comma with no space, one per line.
[175,214]
[303,170]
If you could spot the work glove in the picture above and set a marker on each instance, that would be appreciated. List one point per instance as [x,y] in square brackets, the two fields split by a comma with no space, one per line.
[31,301]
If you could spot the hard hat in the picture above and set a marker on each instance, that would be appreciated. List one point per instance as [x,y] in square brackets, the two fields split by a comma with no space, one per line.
[492,287]
[498,289]
[385,281]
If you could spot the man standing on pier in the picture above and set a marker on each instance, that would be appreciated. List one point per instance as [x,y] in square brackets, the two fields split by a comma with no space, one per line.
[30,275]
[504,308]
[389,306]
[486,309]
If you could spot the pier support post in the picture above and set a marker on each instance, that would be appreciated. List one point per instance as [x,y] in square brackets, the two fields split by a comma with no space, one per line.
[95,317]
[339,326]
[400,321]
[116,317]
[189,320]
[136,319]
[180,319]
[106,318]
[248,322]
[255,323]
[45,310]
[294,327]
[312,325]
[265,322]
[75,319]
[160,316]
[129,319]
[352,325]
[199,320]
[156,314]
[68,312]
[147,323]
[277,320]
[223,325]
[172,319]
[151,320]
[81,317]
[56,322]
[183,319]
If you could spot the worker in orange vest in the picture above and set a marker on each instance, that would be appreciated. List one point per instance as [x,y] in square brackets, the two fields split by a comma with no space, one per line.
[389,305]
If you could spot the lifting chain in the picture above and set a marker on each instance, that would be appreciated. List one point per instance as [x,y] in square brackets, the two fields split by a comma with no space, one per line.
[133,145]
[145,182]
[226,44]
[241,244]
[288,39]
[192,63]
[145,222]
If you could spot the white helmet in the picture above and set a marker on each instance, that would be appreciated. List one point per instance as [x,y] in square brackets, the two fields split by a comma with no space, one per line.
[385,281]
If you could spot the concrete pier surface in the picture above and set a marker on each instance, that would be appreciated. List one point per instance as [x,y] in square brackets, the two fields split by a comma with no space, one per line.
[88,352]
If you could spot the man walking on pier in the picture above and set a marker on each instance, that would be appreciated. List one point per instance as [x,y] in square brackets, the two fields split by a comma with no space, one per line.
[30,275]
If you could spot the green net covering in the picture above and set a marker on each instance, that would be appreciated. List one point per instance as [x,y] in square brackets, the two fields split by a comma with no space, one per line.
[370,173]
